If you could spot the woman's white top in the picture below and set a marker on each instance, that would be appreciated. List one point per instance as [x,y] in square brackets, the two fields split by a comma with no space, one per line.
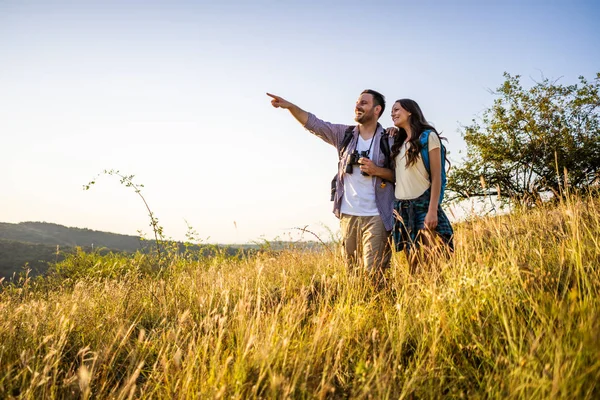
[413,181]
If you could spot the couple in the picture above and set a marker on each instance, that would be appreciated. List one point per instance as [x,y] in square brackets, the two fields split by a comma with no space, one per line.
[370,207]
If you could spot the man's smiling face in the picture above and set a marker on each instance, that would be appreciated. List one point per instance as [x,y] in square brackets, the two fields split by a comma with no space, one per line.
[364,111]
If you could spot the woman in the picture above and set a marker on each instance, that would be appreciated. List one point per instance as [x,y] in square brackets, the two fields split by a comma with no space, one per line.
[420,223]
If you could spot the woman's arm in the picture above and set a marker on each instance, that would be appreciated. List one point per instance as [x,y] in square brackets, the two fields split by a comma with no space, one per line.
[435,175]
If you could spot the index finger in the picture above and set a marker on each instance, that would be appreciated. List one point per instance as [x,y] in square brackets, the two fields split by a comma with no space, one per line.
[273,96]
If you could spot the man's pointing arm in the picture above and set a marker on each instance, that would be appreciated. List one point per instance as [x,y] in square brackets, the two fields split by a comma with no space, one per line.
[298,113]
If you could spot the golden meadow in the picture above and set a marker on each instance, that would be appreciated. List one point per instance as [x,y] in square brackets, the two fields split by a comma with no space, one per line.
[515,313]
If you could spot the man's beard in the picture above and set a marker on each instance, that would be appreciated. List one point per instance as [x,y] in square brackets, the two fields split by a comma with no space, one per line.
[364,118]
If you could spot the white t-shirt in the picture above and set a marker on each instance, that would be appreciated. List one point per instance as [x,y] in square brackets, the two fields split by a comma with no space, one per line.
[413,181]
[359,190]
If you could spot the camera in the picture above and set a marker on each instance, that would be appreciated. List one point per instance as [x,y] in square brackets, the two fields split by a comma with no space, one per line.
[353,160]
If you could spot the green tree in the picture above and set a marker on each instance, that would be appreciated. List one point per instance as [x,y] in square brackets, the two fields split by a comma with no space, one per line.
[525,143]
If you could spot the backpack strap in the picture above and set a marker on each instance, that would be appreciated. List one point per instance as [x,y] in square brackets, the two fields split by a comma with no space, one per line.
[341,149]
[346,140]
[424,140]
[384,145]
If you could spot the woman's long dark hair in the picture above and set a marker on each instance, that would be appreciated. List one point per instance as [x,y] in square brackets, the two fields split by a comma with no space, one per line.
[418,124]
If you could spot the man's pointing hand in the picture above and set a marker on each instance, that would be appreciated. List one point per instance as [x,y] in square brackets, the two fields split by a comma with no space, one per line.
[298,113]
[279,102]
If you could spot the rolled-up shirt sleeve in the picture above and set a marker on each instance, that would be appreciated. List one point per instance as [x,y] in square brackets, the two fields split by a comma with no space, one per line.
[330,133]
[433,141]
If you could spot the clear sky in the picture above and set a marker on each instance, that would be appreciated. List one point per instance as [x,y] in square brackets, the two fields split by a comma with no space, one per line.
[174,93]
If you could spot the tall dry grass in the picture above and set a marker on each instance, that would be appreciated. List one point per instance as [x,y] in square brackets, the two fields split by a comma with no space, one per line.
[515,313]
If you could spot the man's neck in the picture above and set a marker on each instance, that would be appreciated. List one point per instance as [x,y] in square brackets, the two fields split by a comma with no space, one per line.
[367,130]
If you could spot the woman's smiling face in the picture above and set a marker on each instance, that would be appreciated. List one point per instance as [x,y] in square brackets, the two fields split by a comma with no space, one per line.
[399,115]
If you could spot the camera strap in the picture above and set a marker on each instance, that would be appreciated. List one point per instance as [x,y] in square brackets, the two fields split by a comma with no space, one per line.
[370,145]
[372,140]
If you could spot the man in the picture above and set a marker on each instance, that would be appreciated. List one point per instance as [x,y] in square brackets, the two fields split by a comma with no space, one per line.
[364,196]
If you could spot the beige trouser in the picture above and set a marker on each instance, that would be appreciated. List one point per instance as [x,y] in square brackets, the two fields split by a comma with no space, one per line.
[365,242]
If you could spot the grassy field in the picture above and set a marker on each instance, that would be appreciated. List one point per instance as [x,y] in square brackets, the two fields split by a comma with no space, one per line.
[515,313]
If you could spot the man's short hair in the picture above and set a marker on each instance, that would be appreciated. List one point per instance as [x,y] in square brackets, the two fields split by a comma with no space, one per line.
[378,100]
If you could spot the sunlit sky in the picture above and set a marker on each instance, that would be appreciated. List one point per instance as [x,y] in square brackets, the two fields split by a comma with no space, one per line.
[173,92]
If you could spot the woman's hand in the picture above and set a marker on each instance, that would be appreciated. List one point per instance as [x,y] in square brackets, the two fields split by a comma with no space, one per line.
[431,219]
[392,131]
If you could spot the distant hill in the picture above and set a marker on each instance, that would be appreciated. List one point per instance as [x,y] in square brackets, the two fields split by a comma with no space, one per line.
[14,255]
[35,244]
[54,234]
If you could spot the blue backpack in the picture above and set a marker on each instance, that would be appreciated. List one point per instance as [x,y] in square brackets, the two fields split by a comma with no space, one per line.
[424,139]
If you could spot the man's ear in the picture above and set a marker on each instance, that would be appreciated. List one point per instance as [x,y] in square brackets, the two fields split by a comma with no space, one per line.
[378,111]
